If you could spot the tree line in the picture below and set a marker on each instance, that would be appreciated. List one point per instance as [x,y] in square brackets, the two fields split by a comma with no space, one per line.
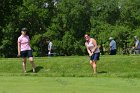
[65,22]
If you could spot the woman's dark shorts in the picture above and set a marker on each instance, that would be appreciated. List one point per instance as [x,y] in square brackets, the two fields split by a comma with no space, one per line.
[95,56]
[27,53]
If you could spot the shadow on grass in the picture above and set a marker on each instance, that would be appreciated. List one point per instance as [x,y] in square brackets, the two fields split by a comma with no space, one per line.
[102,72]
[38,68]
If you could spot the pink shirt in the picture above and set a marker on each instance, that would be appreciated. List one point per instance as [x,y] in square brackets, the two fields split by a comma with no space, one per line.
[24,43]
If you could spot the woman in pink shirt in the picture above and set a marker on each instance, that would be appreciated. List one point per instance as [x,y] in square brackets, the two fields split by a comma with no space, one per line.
[24,49]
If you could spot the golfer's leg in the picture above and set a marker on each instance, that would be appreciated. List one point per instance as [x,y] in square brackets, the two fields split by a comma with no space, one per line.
[24,65]
[91,63]
[94,67]
[32,63]
[139,52]
[136,52]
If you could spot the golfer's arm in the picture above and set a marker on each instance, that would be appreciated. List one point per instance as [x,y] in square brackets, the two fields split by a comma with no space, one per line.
[95,45]
[50,47]
[89,52]
[110,47]
[136,45]
[29,42]
[19,47]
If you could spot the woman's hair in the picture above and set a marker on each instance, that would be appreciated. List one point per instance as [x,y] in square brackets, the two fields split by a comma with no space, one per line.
[24,29]
[86,35]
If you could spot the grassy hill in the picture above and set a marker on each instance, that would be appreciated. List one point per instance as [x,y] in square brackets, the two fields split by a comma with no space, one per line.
[75,66]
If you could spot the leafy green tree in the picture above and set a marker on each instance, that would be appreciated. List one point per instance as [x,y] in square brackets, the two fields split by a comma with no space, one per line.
[65,22]
[9,41]
[71,22]
[8,29]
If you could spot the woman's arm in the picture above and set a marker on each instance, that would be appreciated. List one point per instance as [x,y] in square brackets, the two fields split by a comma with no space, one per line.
[29,41]
[95,45]
[89,52]
[19,47]
[136,44]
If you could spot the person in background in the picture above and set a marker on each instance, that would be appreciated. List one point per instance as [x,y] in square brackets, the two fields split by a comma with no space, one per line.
[24,49]
[93,51]
[50,44]
[112,46]
[137,45]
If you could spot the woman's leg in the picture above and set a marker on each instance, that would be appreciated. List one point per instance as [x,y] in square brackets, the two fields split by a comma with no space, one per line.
[93,64]
[32,63]
[94,67]
[24,65]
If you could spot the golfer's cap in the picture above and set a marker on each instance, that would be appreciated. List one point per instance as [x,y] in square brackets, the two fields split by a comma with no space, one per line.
[24,29]
[110,38]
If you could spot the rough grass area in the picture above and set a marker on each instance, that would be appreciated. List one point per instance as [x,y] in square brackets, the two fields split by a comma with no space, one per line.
[75,66]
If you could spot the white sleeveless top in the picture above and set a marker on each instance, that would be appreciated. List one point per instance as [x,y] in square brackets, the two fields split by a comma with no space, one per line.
[90,45]
[138,44]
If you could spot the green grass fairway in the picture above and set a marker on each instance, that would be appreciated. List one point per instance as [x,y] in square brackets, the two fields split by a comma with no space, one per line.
[68,85]
[116,74]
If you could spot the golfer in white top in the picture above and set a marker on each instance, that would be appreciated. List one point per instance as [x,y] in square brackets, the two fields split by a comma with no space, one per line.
[137,45]
[49,48]
[93,51]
